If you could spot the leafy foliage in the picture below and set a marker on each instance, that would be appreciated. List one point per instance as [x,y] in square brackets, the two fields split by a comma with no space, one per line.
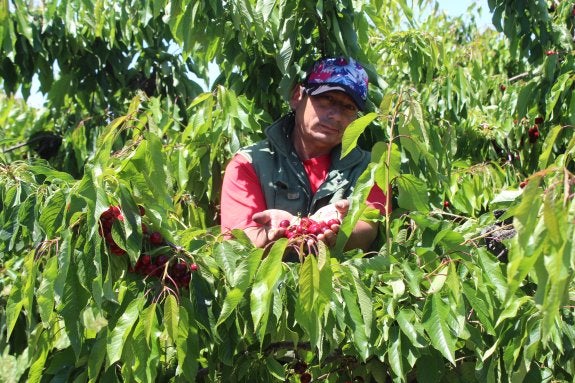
[451,131]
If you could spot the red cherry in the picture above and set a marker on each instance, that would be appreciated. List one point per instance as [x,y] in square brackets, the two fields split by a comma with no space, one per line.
[300,367]
[305,222]
[117,250]
[333,221]
[145,259]
[522,184]
[314,229]
[539,120]
[156,238]
[142,210]
[194,267]
[285,223]
[305,377]
[446,204]
[502,87]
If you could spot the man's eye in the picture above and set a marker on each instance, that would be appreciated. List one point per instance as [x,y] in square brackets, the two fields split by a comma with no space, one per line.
[350,108]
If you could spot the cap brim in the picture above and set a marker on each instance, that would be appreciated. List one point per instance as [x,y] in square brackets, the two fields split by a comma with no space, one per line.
[315,89]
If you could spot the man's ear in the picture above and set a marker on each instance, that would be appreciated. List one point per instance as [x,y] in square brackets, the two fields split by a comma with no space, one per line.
[296,96]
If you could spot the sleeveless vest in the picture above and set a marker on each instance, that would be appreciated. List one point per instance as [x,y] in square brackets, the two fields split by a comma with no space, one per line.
[283,178]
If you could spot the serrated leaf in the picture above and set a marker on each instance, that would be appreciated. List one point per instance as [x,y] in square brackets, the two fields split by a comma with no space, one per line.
[435,316]
[551,217]
[405,320]
[511,308]
[412,193]
[365,304]
[308,287]
[353,131]
[51,215]
[45,293]
[394,352]
[356,324]
[275,369]
[438,280]
[284,57]
[385,104]
[97,356]
[233,298]
[38,359]
[548,144]
[119,334]
[266,278]
[188,349]
[149,318]
[171,316]
[74,300]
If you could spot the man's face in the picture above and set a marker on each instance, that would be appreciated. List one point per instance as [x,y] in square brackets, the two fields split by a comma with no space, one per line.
[322,119]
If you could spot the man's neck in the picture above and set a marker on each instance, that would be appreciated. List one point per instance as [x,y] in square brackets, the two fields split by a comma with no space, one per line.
[307,150]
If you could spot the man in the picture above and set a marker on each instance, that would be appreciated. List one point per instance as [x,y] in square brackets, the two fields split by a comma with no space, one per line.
[297,169]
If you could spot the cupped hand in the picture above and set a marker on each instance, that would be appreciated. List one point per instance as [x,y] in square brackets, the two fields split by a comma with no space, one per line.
[335,211]
[270,221]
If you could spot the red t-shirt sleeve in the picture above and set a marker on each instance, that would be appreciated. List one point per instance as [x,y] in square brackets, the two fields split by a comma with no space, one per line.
[378,200]
[242,195]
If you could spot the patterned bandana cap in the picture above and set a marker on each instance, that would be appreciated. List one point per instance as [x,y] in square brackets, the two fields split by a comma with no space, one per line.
[339,73]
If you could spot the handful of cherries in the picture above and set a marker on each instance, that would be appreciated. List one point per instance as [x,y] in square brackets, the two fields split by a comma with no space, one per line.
[307,226]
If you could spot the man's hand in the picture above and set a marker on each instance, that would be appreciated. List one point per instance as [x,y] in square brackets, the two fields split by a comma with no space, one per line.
[269,226]
[337,210]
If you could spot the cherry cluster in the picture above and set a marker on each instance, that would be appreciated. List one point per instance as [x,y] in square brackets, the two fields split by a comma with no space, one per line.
[307,227]
[177,272]
[533,133]
[300,368]
[107,220]
[157,258]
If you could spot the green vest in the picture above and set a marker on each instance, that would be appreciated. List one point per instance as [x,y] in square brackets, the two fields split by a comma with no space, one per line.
[283,178]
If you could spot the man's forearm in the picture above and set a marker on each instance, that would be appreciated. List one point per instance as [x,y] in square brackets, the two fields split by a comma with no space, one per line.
[362,236]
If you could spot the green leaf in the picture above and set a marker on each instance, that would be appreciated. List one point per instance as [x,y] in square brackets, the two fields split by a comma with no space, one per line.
[365,303]
[548,146]
[552,217]
[171,316]
[51,215]
[275,369]
[511,308]
[45,293]
[407,321]
[435,316]
[119,334]
[233,298]
[385,105]
[42,346]
[394,352]
[306,313]
[412,193]
[389,164]
[97,356]
[266,279]
[74,300]
[481,303]
[353,131]
[188,348]
[356,323]
[438,280]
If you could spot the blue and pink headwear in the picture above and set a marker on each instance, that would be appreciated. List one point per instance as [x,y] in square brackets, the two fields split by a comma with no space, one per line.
[338,73]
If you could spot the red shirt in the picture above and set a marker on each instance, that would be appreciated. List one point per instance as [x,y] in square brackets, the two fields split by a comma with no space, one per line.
[242,195]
